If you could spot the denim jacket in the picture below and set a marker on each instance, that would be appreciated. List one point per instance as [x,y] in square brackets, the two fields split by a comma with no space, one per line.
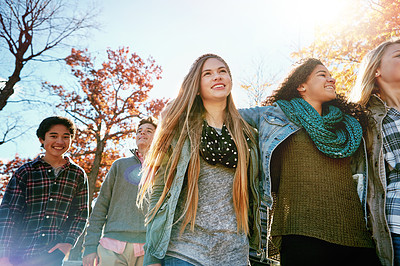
[159,228]
[377,185]
[273,128]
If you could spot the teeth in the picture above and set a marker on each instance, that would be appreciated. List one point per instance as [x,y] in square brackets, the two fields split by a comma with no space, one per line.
[218,86]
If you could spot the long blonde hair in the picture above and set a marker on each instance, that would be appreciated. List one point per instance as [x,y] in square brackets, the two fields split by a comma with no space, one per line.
[183,119]
[366,79]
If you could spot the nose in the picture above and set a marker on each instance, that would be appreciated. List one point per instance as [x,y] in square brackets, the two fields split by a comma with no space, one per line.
[217,76]
[331,79]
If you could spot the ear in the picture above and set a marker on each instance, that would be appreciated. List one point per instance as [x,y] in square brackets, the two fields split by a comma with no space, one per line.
[301,89]
[377,73]
[41,140]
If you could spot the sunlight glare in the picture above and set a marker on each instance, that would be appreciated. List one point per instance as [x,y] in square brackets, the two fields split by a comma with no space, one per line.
[310,14]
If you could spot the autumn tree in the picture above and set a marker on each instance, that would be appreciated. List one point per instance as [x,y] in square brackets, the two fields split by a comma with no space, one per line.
[7,169]
[364,25]
[106,103]
[29,29]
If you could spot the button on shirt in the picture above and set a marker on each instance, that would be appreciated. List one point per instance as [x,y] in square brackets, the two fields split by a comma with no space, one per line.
[391,150]
[40,209]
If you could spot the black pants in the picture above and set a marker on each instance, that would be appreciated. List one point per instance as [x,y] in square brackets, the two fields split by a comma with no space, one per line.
[299,250]
[47,259]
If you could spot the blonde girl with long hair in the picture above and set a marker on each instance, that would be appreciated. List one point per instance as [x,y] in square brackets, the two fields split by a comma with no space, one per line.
[378,89]
[201,175]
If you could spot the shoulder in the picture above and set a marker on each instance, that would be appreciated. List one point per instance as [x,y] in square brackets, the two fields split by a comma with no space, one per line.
[29,166]
[72,166]
[376,105]
[274,115]
[125,162]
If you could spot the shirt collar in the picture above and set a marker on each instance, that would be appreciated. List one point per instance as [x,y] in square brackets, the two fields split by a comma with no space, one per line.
[39,159]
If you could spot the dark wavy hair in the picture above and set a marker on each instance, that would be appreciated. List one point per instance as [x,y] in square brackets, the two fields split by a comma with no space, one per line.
[298,76]
[48,122]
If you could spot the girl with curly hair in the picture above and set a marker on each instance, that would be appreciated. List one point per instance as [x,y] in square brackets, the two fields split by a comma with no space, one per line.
[314,160]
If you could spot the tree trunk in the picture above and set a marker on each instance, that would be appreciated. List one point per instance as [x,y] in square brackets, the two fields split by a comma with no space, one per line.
[8,89]
[76,253]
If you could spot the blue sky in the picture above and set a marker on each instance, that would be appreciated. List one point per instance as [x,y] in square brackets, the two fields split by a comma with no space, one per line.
[175,33]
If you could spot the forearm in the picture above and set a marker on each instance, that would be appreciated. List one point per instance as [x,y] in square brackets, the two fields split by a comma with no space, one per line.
[78,213]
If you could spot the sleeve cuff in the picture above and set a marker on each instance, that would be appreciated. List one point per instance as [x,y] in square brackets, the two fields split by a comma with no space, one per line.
[88,250]
[70,240]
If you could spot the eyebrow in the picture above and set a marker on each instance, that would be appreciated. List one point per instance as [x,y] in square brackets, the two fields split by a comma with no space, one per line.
[55,133]
[324,71]
[210,69]
[395,51]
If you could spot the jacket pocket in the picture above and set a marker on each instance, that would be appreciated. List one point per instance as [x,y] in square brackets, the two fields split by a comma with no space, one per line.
[156,230]
[273,119]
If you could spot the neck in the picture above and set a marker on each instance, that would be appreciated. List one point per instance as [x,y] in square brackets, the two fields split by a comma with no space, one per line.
[54,161]
[316,106]
[391,96]
[215,113]
[143,151]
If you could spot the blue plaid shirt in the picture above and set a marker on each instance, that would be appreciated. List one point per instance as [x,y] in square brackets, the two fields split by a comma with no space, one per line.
[40,209]
[391,150]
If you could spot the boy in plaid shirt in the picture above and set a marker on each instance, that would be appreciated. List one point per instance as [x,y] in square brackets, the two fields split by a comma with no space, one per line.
[45,206]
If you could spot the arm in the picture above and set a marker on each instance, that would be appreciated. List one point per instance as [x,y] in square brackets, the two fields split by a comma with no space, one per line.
[157,190]
[64,247]
[11,212]
[99,213]
[251,115]
[78,212]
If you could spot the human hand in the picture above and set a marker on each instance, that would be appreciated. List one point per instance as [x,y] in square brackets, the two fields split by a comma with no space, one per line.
[64,247]
[4,261]
[91,259]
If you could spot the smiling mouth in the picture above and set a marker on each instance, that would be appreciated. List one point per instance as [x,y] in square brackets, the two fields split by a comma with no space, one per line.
[218,86]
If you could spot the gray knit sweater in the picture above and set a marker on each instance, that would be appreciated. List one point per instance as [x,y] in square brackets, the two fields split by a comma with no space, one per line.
[115,208]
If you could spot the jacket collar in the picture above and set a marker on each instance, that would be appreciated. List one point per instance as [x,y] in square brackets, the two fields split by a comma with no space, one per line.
[377,106]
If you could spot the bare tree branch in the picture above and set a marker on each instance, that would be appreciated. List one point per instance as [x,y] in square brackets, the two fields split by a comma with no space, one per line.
[31,28]
[12,130]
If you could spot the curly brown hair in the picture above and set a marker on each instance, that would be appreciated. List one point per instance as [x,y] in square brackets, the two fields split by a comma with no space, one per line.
[299,75]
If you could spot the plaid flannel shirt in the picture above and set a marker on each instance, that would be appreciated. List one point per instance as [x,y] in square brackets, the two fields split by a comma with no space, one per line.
[40,209]
[391,151]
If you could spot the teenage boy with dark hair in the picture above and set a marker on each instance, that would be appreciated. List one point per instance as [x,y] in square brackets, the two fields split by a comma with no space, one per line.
[116,231]
[45,206]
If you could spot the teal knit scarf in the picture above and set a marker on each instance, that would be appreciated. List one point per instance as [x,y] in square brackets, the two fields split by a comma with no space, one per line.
[331,138]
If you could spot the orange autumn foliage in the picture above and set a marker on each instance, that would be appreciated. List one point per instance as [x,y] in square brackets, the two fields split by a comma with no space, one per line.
[106,105]
[7,169]
[341,46]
